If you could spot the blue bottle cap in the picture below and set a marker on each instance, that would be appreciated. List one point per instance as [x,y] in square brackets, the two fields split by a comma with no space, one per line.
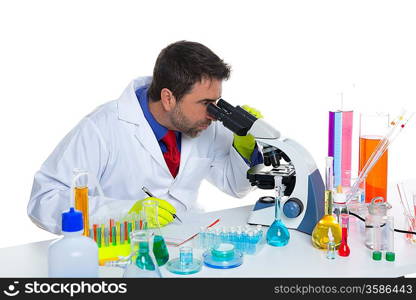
[72,221]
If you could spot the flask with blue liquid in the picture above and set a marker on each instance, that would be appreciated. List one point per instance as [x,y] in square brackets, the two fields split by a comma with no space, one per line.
[278,234]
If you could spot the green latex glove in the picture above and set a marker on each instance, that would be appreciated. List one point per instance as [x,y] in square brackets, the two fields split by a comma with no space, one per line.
[245,144]
[165,210]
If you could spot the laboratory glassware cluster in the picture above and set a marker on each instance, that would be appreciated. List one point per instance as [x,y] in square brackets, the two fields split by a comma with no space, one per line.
[301,201]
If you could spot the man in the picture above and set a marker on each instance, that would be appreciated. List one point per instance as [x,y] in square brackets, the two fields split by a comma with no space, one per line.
[158,134]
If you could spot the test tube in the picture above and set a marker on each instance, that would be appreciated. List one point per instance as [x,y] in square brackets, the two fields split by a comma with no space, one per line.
[245,241]
[99,237]
[233,236]
[260,230]
[377,241]
[126,230]
[114,235]
[111,225]
[251,245]
[117,232]
[121,233]
[209,237]
[129,230]
[94,227]
[106,237]
[217,239]
[390,254]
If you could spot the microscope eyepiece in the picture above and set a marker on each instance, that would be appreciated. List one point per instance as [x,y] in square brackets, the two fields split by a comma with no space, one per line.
[235,119]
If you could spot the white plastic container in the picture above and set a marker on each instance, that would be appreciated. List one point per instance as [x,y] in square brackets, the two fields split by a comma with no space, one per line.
[74,255]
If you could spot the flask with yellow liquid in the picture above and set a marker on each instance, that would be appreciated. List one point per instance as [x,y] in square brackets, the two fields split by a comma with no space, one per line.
[320,235]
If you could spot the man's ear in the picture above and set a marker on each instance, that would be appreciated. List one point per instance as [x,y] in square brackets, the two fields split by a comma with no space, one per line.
[168,99]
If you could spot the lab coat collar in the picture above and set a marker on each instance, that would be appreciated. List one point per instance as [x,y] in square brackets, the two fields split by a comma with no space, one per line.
[130,111]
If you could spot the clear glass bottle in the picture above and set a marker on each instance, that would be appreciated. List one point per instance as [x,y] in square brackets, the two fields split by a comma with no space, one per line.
[320,235]
[340,208]
[151,225]
[376,218]
[278,234]
[142,263]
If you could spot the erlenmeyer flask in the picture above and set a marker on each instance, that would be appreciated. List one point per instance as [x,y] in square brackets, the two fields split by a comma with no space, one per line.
[151,225]
[278,234]
[142,261]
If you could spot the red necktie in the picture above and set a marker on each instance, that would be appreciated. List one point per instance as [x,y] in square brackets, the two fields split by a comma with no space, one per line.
[172,155]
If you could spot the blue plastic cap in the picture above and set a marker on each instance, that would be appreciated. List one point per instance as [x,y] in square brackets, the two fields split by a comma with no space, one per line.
[72,221]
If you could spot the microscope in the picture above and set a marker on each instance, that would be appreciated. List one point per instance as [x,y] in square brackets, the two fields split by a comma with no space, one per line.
[303,204]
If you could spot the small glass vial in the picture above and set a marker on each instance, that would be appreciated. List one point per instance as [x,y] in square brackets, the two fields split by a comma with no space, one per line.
[390,255]
[330,254]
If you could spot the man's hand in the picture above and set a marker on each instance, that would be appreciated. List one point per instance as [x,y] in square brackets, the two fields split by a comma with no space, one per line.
[245,144]
[165,210]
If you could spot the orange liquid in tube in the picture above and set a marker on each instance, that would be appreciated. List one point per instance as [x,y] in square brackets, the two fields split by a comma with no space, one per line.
[81,204]
[376,181]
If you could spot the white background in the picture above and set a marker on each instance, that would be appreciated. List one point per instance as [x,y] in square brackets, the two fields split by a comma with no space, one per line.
[291,60]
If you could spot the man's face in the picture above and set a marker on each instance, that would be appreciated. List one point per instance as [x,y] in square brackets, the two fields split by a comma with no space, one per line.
[190,114]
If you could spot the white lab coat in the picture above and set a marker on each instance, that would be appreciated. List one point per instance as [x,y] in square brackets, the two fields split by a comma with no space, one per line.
[116,144]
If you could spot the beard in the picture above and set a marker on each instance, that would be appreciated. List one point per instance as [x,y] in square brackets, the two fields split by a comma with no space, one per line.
[184,125]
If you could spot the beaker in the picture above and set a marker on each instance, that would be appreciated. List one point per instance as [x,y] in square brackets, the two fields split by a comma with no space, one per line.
[373,128]
[142,261]
[376,219]
[151,224]
[79,192]
[185,264]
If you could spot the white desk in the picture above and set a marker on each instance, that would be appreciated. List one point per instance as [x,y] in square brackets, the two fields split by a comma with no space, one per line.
[297,259]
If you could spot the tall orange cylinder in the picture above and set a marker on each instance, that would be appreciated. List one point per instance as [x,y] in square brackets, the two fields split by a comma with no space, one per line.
[376,181]
[81,204]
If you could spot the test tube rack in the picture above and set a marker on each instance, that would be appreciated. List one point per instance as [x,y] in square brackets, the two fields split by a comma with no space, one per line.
[112,235]
[247,240]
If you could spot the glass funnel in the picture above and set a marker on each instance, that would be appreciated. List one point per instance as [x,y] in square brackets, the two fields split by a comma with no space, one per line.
[278,234]
[151,225]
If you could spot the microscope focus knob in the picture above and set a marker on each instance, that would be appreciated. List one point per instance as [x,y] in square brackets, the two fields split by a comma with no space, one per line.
[292,208]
